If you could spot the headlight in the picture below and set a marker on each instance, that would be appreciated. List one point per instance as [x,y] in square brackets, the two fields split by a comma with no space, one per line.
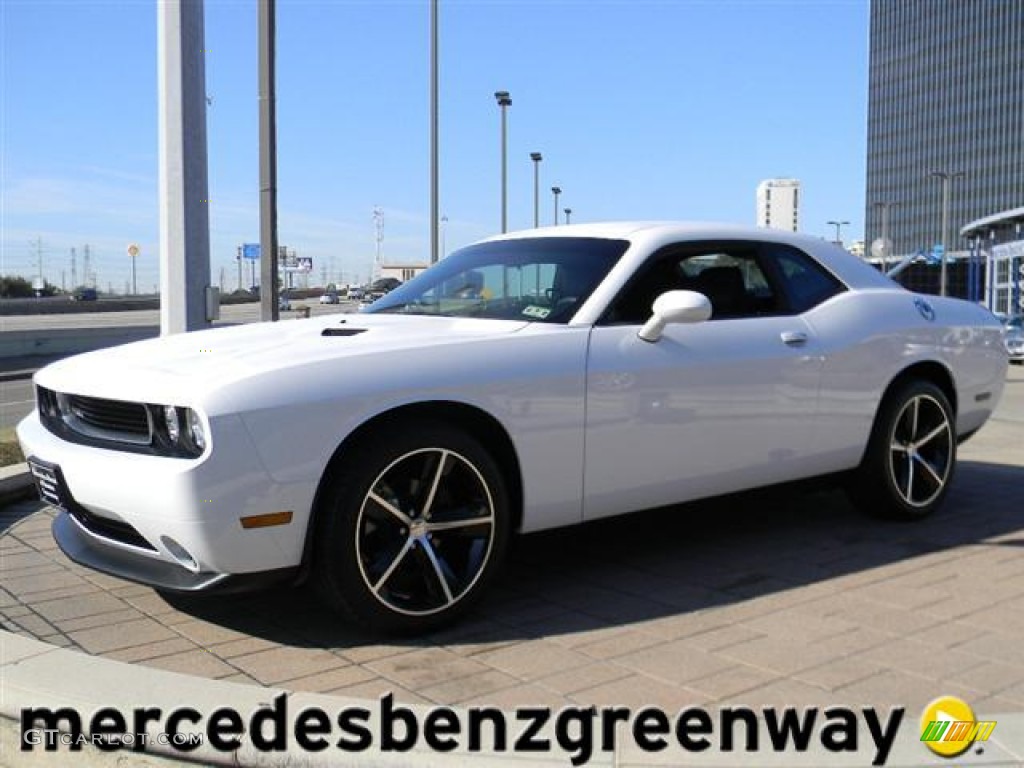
[171,424]
[180,431]
[195,429]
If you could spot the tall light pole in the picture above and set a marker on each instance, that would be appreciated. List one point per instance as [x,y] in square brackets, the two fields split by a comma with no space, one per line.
[556,191]
[444,227]
[947,179]
[434,204]
[838,225]
[568,214]
[504,101]
[536,157]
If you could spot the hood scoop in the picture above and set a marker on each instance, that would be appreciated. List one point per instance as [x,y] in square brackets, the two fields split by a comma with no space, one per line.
[342,331]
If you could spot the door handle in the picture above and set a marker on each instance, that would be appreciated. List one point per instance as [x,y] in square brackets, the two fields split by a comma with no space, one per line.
[794,338]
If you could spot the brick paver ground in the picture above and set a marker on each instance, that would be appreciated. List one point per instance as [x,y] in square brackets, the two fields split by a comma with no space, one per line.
[783,598]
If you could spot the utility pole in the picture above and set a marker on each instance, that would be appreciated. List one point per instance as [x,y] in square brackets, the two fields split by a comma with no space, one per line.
[74,269]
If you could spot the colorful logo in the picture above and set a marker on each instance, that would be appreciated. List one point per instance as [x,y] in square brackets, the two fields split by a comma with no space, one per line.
[948,727]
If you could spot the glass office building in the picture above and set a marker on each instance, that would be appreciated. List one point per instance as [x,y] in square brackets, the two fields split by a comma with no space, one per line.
[946,95]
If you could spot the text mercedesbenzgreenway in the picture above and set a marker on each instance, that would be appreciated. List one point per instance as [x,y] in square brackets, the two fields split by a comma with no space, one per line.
[393,728]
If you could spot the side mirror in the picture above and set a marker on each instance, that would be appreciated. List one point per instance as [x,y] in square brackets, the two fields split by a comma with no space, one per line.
[675,307]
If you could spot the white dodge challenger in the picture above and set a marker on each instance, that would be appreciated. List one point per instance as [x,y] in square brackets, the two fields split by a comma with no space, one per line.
[533,380]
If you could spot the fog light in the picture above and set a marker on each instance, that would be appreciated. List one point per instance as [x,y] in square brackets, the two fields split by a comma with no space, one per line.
[179,553]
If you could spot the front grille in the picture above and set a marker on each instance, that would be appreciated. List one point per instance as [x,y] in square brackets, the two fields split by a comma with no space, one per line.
[95,420]
[111,415]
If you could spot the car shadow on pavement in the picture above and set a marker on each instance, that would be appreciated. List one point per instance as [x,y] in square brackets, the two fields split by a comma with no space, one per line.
[12,514]
[664,563]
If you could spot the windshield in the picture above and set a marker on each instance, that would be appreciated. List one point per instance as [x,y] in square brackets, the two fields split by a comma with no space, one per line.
[535,279]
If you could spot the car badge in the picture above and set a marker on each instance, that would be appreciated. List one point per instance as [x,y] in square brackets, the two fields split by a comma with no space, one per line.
[925,309]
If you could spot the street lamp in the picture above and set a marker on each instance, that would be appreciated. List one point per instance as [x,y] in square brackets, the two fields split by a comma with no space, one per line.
[568,213]
[838,225]
[947,179]
[556,191]
[504,101]
[536,157]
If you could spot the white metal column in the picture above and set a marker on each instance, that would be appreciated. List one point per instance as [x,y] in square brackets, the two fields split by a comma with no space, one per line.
[184,200]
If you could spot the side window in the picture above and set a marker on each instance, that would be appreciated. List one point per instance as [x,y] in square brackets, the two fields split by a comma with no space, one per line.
[804,282]
[729,274]
[733,281]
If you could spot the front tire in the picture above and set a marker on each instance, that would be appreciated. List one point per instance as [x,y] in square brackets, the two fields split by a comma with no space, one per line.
[911,454]
[412,529]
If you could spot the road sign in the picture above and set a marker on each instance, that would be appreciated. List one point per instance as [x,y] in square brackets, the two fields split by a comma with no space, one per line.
[251,251]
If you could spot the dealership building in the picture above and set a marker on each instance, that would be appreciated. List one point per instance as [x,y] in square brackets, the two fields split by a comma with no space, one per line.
[995,261]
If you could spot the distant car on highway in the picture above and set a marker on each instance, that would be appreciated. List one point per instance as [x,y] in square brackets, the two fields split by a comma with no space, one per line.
[381,287]
[329,297]
[85,294]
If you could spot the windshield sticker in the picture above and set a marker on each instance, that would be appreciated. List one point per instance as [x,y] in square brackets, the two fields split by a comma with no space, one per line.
[534,311]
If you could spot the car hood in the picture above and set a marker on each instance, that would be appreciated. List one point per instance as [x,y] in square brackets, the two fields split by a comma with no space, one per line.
[180,368]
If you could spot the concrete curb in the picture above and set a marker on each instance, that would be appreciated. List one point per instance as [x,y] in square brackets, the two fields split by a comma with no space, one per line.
[15,484]
[17,375]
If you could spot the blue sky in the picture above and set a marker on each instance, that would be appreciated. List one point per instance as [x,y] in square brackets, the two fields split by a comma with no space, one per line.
[667,109]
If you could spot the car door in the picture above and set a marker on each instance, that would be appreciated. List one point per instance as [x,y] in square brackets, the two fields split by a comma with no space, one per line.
[711,407]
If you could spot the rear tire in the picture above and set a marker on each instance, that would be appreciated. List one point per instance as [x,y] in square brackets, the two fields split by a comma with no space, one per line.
[412,529]
[911,454]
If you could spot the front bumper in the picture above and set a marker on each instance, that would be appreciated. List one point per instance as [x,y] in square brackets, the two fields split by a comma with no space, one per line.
[85,548]
[133,516]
